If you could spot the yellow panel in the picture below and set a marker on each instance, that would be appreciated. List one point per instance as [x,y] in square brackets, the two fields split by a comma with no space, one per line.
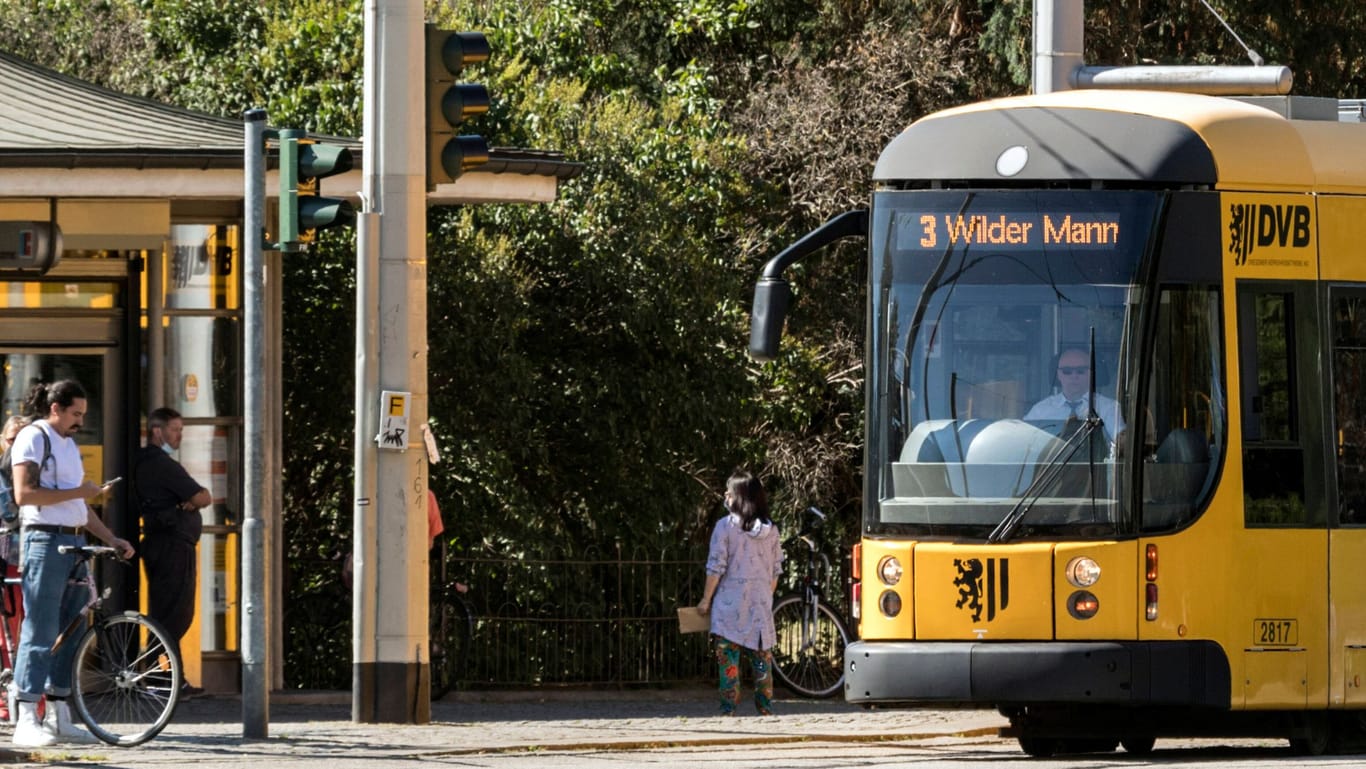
[874,624]
[1269,236]
[25,210]
[1003,592]
[1334,152]
[1282,606]
[1347,614]
[114,224]
[1342,250]
[92,460]
[1117,590]
[1276,679]
[228,556]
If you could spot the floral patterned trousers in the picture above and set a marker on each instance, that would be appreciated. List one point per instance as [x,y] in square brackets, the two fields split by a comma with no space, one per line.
[728,662]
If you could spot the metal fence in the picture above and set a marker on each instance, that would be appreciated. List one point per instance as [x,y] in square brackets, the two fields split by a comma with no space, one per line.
[593,618]
[599,618]
[582,618]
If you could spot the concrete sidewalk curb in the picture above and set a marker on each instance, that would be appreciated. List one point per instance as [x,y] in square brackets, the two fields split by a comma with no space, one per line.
[777,739]
[309,729]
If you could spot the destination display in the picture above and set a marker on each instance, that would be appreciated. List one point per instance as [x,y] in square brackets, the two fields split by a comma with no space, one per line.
[1009,230]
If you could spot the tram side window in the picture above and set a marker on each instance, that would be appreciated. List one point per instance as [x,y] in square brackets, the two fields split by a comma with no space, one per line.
[1185,416]
[1349,406]
[1273,458]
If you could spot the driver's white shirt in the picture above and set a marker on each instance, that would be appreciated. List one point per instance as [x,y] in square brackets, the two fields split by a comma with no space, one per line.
[1056,406]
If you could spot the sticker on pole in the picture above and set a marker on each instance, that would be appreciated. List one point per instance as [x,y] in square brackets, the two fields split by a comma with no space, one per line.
[393,420]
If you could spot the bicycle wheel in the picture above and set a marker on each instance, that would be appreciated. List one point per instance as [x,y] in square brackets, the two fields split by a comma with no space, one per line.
[809,656]
[127,679]
[452,624]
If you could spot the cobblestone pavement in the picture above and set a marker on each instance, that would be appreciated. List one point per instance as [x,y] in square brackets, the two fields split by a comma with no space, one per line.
[315,729]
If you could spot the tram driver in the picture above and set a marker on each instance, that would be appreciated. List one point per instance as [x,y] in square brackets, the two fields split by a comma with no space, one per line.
[1073,398]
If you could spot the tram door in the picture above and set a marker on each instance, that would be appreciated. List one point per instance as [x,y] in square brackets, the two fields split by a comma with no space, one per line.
[1281,610]
[1346,314]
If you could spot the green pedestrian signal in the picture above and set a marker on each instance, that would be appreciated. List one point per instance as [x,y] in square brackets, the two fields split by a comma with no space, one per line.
[303,211]
[449,104]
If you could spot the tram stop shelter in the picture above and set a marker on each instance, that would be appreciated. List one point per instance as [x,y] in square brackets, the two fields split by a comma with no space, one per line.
[145,306]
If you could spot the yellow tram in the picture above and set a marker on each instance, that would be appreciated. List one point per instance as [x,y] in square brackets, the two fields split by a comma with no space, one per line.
[1116,417]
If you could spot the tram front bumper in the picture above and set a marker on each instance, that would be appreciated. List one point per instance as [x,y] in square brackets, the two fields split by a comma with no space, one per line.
[1134,673]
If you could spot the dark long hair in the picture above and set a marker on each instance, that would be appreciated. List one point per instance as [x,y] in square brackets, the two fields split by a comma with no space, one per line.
[751,503]
[41,397]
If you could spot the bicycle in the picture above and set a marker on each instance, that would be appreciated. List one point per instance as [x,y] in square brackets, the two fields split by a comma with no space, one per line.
[811,636]
[451,620]
[126,676]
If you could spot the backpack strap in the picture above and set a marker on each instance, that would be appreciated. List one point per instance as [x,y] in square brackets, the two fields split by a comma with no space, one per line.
[47,456]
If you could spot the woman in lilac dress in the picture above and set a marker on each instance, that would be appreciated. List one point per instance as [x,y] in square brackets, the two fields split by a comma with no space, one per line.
[743,565]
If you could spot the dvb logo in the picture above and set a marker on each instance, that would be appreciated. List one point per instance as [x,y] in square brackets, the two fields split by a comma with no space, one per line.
[1253,226]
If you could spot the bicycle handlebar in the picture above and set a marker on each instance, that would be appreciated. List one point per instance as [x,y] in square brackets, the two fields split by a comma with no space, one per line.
[88,549]
[807,534]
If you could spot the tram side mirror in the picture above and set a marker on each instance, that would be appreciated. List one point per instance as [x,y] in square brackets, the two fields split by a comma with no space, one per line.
[29,247]
[772,296]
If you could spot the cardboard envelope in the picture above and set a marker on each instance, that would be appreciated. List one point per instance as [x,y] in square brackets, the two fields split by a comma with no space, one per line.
[690,620]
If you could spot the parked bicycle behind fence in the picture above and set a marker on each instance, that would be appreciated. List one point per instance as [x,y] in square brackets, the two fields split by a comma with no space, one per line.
[811,634]
[451,619]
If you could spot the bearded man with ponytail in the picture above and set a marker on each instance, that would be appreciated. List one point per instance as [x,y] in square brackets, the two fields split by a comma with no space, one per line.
[51,490]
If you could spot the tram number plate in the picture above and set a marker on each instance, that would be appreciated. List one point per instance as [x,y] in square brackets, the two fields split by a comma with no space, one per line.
[1275,632]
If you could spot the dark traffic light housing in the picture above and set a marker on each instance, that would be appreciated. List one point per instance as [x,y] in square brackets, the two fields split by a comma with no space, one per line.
[303,162]
[450,104]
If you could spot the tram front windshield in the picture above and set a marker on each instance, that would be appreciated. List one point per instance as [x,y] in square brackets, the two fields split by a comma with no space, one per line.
[1003,328]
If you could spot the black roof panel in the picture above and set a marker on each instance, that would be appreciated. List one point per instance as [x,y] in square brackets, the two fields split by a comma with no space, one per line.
[1060,144]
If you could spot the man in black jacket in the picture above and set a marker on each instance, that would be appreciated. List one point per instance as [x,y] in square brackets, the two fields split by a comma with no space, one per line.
[170,502]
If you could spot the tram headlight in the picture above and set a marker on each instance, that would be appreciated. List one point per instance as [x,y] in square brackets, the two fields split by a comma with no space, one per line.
[1082,572]
[889,570]
[1083,604]
[890,603]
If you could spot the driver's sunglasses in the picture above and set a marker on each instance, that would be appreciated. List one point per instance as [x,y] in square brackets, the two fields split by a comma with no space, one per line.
[1073,370]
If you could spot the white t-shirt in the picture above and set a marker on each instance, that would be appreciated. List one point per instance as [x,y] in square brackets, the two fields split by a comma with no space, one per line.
[62,471]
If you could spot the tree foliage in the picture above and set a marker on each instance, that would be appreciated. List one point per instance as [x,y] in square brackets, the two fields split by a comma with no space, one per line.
[588,386]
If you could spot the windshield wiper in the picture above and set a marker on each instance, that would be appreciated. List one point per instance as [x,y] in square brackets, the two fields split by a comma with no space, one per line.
[1056,463]
[1050,473]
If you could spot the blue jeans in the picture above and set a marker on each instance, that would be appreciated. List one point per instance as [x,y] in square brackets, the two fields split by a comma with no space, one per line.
[50,602]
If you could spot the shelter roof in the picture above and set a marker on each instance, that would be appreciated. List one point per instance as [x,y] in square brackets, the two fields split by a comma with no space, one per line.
[52,120]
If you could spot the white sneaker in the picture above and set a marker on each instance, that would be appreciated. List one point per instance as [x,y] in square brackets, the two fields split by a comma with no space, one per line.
[28,730]
[58,723]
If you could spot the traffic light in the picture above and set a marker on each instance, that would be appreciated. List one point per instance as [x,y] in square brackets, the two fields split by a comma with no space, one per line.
[450,103]
[29,247]
[302,210]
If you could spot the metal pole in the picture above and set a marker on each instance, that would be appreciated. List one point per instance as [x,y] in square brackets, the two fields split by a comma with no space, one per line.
[255,645]
[363,526]
[1058,39]
[156,338]
[1266,80]
[389,677]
